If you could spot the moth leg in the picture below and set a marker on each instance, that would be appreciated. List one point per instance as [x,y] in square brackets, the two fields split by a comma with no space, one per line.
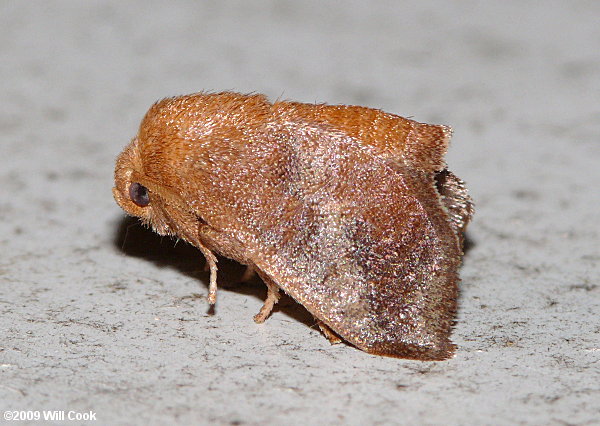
[211,261]
[272,298]
[248,274]
[333,338]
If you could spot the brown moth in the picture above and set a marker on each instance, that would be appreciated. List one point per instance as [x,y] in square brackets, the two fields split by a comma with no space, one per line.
[349,210]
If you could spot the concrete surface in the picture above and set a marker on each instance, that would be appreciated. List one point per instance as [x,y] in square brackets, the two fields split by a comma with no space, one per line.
[98,314]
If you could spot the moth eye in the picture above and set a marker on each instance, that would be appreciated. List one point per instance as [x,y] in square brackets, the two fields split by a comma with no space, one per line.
[139,194]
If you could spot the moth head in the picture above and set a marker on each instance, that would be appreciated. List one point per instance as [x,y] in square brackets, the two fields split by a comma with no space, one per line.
[139,195]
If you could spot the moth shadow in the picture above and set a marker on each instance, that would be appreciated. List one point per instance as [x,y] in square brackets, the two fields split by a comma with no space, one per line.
[133,239]
[468,244]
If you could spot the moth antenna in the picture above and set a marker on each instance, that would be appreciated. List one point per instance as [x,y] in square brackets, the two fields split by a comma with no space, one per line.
[280,97]
[127,234]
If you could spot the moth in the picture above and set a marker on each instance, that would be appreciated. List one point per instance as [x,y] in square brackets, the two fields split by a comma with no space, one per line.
[349,210]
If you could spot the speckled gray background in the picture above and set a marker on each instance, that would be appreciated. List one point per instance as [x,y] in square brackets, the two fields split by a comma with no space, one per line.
[97,313]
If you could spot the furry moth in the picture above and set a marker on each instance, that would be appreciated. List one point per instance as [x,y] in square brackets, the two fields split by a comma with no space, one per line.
[349,210]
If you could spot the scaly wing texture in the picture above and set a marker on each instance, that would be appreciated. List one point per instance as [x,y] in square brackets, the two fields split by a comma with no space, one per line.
[418,145]
[364,244]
